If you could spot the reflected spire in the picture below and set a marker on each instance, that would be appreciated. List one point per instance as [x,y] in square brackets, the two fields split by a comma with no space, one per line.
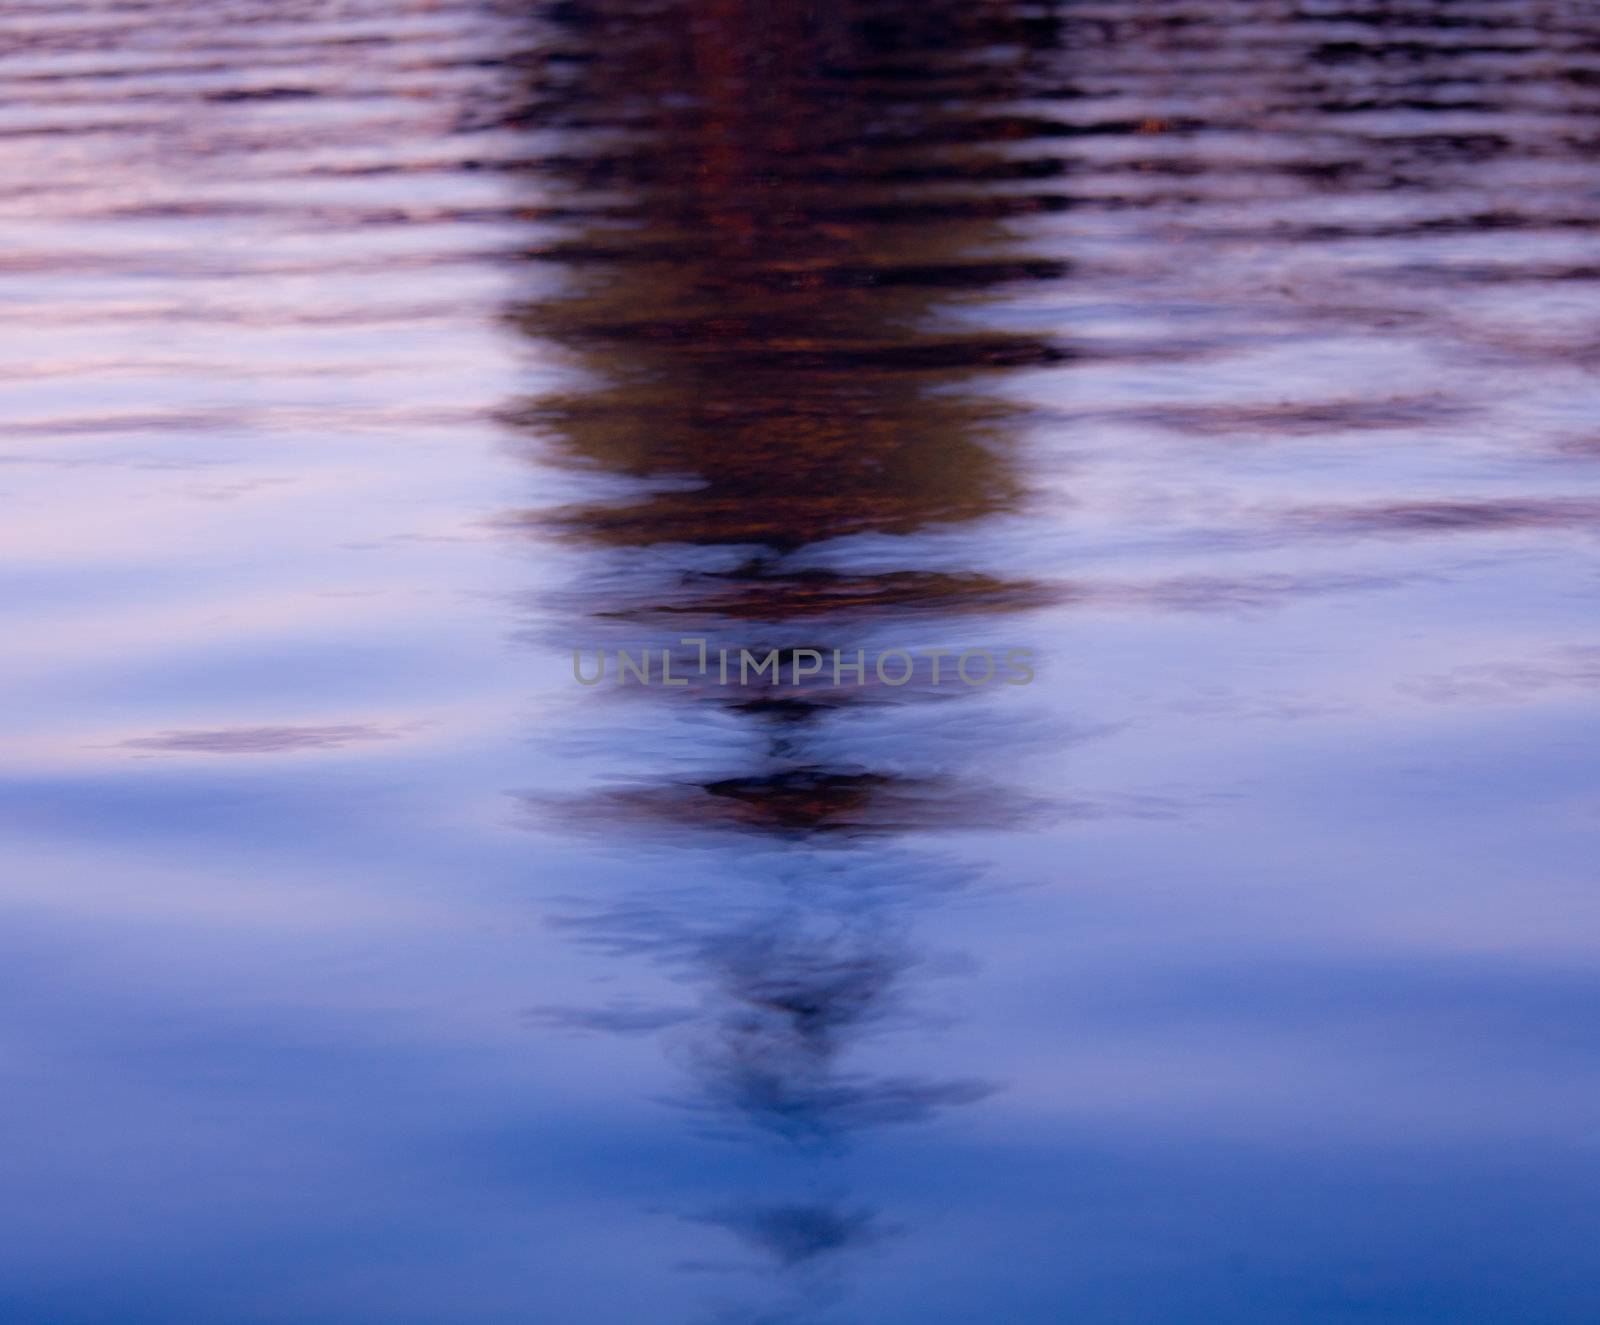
[776,229]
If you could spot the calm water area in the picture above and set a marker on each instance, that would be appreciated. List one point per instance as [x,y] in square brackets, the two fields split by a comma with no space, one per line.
[1234,362]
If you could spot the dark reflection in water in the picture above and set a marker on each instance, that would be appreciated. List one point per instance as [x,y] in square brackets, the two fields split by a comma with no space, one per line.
[771,306]
[1236,355]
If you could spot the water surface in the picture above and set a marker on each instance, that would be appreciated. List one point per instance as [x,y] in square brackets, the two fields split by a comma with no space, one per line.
[1236,359]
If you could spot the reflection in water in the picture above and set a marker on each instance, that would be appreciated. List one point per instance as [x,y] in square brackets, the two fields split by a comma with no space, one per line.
[1237,356]
[774,250]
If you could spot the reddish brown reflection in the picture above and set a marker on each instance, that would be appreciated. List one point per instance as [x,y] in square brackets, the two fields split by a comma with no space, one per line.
[771,233]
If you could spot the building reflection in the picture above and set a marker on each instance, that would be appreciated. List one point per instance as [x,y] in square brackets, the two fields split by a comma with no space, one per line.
[768,236]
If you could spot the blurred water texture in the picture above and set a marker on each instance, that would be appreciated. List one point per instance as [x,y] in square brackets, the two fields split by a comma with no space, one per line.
[1237,357]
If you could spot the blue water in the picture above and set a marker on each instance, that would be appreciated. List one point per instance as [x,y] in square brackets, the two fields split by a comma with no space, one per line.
[1236,360]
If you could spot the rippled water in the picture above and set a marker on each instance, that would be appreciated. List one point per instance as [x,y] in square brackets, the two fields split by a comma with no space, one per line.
[1238,360]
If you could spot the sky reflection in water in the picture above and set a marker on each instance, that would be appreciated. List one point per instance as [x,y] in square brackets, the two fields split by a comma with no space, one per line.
[1237,359]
